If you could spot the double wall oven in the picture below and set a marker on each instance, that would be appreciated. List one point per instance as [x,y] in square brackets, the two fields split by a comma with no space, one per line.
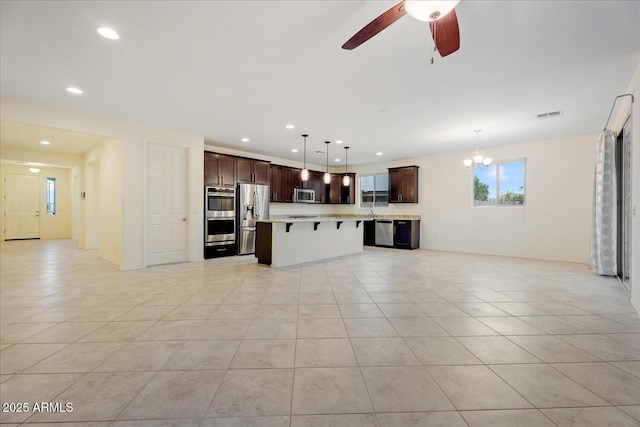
[220,221]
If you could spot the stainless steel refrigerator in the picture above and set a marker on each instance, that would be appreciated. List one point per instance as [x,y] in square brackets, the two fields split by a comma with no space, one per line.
[253,204]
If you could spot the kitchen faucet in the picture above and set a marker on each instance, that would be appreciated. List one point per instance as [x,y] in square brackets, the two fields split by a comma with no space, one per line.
[371,213]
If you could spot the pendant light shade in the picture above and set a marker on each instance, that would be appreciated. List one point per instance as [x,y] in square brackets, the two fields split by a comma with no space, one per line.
[304,175]
[327,175]
[346,180]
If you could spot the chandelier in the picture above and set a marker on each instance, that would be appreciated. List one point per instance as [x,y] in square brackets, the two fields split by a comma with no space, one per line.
[477,157]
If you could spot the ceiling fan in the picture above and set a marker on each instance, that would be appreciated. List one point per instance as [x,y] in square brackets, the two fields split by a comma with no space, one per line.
[440,15]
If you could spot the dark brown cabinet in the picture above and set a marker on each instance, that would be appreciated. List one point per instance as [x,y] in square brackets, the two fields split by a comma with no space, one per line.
[225,170]
[348,194]
[292,179]
[403,184]
[219,169]
[406,233]
[338,193]
[277,183]
[335,188]
[283,180]
[252,171]
[316,183]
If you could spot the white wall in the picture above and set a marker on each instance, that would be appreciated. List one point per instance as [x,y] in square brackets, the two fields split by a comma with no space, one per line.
[102,206]
[553,225]
[131,231]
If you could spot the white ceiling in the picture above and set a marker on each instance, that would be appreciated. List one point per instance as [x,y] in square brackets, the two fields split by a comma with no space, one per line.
[29,137]
[233,69]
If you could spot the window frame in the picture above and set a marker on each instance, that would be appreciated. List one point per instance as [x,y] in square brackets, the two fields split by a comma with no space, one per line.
[497,203]
[50,181]
[372,204]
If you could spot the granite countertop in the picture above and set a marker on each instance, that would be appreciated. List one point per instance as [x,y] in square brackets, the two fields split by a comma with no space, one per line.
[284,220]
[333,218]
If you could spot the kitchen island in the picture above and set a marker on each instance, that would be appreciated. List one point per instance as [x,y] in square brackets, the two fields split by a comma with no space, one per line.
[290,241]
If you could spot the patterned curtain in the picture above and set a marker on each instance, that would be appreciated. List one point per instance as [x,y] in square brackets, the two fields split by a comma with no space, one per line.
[602,256]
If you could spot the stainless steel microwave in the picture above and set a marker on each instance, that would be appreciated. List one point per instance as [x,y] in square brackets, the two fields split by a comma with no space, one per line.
[304,195]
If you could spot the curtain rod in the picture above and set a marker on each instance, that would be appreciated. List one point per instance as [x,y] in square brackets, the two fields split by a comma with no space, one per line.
[614,105]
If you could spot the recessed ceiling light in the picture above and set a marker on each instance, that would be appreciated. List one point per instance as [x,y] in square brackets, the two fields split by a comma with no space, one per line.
[108,33]
[34,170]
[45,142]
[339,141]
[74,90]
[290,126]
[337,160]
[245,140]
[294,150]
[379,153]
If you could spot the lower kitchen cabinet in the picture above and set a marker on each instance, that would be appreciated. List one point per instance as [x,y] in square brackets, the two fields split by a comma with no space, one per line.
[369,236]
[406,233]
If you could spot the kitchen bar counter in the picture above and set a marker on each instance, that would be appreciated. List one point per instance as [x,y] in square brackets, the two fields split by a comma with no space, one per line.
[281,242]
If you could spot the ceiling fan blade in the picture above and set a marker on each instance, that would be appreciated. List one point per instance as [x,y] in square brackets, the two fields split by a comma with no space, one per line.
[446,33]
[375,26]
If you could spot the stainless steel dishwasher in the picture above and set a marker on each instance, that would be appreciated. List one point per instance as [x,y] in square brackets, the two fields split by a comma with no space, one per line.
[384,232]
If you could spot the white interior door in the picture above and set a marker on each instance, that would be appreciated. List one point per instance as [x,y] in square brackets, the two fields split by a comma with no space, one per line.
[22,206]
[167,236]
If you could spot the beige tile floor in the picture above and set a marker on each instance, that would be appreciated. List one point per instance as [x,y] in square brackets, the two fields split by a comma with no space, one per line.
[386,338]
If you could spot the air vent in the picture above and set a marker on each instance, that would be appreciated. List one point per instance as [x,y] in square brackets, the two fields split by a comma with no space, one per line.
[550,114]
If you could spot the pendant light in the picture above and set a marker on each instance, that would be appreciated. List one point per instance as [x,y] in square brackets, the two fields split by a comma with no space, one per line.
[327,175]
[305,172]
[477,157]
[346,180]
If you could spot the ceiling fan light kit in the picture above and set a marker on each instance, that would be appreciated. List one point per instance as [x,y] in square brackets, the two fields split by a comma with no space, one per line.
[441,16]
[428,11]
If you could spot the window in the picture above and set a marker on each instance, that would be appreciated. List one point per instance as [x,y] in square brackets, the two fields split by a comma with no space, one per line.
[51,196]
[374,190]
[500,184]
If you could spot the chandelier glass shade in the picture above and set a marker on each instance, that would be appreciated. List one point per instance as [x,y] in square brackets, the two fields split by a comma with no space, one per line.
[477,157]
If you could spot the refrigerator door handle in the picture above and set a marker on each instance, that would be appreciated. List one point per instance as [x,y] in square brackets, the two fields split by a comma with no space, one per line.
[256,204]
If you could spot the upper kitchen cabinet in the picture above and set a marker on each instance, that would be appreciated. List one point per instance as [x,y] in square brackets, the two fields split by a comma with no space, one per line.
[252,171]
[219,169]
[316,183]
[403,184]
[277,183]
[292,179]
[338,193]
[283,180]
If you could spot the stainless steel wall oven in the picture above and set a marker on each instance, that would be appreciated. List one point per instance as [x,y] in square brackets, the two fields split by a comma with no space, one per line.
[220,221]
